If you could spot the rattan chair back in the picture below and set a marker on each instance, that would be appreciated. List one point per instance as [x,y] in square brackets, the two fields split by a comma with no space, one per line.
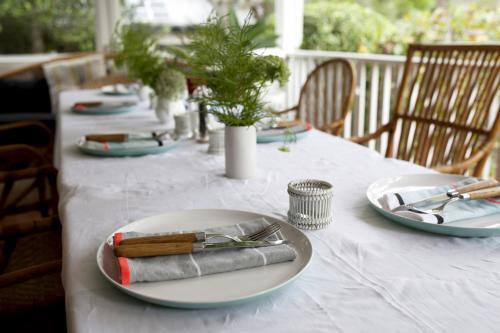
[327,95]
[445,109]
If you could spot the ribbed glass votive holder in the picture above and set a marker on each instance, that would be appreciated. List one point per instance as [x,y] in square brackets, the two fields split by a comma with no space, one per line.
[310,203]
[216,141]
[182,126]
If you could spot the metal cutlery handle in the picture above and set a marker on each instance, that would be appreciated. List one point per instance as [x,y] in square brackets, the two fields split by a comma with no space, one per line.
[472,187]
[153,250]
[175,238]
[487,193]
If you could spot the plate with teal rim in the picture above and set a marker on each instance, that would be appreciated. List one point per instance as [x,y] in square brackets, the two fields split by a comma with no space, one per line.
[215,290]
[126,152]
[118,90]
[281,137]
[484,226]
[105,109]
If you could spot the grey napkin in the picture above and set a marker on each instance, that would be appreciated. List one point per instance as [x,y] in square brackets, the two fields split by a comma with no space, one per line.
[184,266]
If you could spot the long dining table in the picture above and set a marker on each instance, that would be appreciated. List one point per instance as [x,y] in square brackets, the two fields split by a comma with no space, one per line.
[367,273]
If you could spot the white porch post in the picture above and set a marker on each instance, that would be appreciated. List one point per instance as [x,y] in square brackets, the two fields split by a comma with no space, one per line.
[107,13]
[289,23]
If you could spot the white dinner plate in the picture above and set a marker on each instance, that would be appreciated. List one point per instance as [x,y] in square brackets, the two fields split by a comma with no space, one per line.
[214,290]
[477,227]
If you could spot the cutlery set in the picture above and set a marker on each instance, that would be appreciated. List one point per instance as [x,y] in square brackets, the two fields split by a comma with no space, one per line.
[193,242]
[124,137]
[484,189]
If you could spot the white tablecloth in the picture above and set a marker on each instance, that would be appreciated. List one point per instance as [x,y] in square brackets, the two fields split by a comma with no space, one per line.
[367,273]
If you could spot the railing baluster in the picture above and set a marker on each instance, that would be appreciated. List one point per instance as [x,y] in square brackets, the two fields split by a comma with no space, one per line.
[361,99]
[386,104]
[372,125]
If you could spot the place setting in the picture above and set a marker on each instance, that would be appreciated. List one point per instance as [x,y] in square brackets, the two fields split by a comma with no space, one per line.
[445,204]
[173,259]
[129,144]
[96,108]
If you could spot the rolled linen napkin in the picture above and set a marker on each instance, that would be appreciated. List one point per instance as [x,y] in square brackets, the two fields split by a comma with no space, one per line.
[182,266]
[456,211]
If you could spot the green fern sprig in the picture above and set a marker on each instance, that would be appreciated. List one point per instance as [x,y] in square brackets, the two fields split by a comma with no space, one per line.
[223,57]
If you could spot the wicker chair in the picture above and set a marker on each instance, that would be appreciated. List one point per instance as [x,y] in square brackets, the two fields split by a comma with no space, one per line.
[327,95]
[31,293]
[444,117]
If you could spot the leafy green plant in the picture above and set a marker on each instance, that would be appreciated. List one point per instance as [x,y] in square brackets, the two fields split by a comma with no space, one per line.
[223,57]
[136,48]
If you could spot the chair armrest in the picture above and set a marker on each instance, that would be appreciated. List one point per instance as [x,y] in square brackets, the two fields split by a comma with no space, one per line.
[32,133]
[44,170]
[461,167]
[29,273]
[278,113]
[12,156]
[15,229]
[371,136]
[336,127]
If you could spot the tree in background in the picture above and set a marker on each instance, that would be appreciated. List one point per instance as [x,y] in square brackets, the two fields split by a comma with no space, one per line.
[379,26]
[34,26]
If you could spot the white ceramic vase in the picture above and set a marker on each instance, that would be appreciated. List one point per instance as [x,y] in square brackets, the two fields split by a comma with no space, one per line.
[241,151]
[166,109]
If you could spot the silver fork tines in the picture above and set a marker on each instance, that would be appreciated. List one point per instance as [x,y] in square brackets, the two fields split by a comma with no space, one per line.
[264,233]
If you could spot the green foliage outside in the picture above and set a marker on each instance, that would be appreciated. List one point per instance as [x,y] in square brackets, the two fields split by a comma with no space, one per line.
[34,26]
[346,27]
[136,48]
[262,33]
[379,26]
[223,57]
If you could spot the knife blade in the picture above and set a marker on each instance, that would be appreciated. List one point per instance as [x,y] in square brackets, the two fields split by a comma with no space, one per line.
[449,194]
[163,249]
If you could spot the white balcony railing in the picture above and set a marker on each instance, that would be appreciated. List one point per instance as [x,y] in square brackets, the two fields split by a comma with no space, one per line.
[378,78]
